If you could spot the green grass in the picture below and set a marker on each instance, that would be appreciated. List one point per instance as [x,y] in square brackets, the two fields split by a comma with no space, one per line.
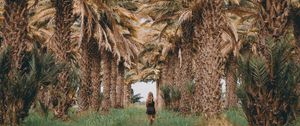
[134,116]
[236,117]
[34,119]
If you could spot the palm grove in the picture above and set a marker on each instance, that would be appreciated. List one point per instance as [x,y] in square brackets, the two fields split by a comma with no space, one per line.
[59,53]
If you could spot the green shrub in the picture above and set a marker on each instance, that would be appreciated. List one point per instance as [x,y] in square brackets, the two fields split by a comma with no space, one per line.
[19,85]
[268,84]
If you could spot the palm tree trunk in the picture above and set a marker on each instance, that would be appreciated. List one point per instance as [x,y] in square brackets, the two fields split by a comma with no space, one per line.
[177,84]
[186,77]
[15,30]
[170,77]
[106,66]
[160,82]
[85,65]
[63,92]
[296,20]
[187,67]
[14,35]
[120,85]
[113,82]
[95,77]
[269,23]
[160,101]
[209,63]
[127,95]
[231,82]
[90,58]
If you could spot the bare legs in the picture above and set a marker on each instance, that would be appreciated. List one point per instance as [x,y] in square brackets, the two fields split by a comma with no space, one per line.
[151,119]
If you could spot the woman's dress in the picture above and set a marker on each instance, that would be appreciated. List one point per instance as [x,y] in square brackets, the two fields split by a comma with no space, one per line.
[150,108]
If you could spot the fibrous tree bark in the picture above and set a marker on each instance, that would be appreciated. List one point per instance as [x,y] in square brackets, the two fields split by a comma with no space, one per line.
[106,67]
[14,35]
[231,83]
[95,78]
[85,64]
[63,93]
[210,20]
[186,69]
[113,82]
[127,95]
[120,85]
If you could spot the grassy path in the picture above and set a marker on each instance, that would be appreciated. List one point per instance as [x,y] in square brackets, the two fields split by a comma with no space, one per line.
[134,116]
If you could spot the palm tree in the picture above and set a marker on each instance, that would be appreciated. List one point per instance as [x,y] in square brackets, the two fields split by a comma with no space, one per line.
[113,82]
[15,30]
[209,62]
[186,66]
[87,61]
[296,18]
[268,92]
[15,35]
[96,79]
[231,82]
[25,68]
[106,67]
[270,12]
[64,92]
[127,95]
[120,85]
[20,92]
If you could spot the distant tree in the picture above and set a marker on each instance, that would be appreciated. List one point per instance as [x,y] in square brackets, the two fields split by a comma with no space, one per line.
[135,97]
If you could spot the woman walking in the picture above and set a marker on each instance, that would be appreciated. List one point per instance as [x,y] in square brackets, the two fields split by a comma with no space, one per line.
[150,108]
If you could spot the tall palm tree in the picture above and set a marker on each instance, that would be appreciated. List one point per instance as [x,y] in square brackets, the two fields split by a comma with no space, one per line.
[231,82]
[86,61]
[113,82]
[15,30]
[25,68]
[120,85]
[96,79]
[106,67]
[127,95]
[64,91]
[14,35]
[186,66]
[296,18]
[210,21]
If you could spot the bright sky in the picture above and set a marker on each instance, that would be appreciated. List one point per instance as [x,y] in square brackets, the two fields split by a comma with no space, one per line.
[143,88]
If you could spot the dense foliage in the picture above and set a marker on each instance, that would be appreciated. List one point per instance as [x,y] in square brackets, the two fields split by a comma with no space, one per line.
[19,87]
[268,85]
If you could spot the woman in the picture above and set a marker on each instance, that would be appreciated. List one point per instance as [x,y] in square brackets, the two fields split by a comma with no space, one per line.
[150,108]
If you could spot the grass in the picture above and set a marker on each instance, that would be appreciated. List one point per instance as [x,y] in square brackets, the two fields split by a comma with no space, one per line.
[127,117]
[135,116]
[236,117]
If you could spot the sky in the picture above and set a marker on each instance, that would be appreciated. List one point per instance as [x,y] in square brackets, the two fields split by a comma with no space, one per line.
[143,88]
